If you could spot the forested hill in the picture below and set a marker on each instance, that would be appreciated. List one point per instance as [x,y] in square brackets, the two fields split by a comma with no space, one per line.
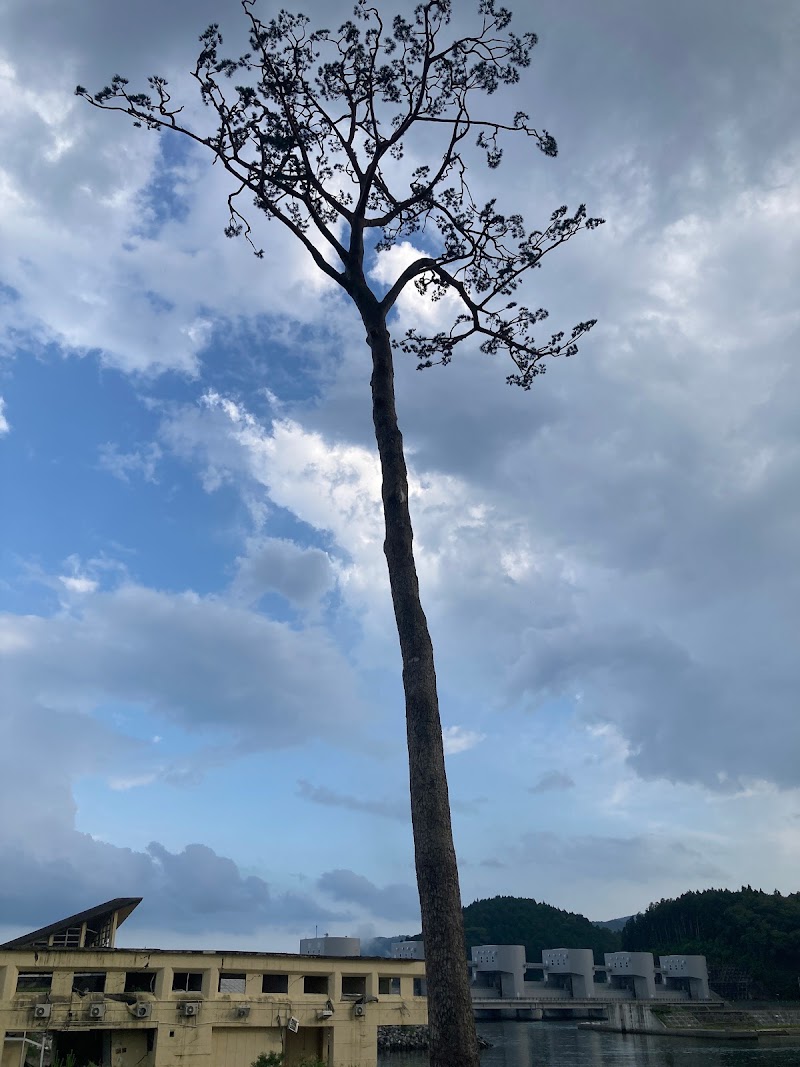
[521,921]
[745,932]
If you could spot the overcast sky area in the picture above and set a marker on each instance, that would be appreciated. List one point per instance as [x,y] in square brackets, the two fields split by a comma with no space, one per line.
[200,696]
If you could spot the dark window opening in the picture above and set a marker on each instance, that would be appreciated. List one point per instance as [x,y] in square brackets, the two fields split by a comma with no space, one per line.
[77,1046]
[140,981]
[187,981]
[534,974]
[100,938]
[89,982]
[389,986]
[316,983]
[231,983]
[35,982]
[420,987]
[354,985]
[275,983]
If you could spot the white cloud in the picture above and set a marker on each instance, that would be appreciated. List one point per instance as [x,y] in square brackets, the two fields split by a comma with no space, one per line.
[77,584]
[198,662]
[457,739]
[415,308]
[4,426]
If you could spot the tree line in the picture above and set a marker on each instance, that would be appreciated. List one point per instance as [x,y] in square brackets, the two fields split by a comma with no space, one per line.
[751,939]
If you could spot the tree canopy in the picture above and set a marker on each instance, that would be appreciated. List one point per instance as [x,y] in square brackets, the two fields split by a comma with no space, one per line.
[754,932]
[316,129]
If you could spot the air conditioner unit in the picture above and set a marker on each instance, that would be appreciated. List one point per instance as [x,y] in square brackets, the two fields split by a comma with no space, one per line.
[359,1010]
[293,1025]
[189,1008]
[242,1011]
[325,1013]
[97,1011]
[142,1011]
[41,1011]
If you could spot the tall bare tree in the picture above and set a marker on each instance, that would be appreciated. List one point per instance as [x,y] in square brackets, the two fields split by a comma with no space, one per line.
[313,125]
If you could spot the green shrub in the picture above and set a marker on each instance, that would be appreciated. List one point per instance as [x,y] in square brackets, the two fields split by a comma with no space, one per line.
[269,1059]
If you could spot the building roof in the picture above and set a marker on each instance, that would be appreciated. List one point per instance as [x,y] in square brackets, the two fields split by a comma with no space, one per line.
[97,917]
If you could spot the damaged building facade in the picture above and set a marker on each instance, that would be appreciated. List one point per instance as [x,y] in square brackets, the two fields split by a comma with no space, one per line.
[66,989]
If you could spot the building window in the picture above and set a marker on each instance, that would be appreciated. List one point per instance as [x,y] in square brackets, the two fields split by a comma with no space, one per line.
[274,983]
[89,982]
[34,982]
[316,983]
[69,938]
[354,985]
[140,981]
[187,981]
[420,987]
[100,938]
[231,983]
[389,987]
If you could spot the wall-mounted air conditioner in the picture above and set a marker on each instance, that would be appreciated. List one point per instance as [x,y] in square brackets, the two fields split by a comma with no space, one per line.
[97,1011]
[142,1010]
[359,1010]
[41,1011]
[189,1008]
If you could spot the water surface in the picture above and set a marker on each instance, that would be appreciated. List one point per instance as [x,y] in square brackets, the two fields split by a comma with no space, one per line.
[562,1044]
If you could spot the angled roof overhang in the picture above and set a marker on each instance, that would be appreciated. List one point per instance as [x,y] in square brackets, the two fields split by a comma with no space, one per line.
[105,917]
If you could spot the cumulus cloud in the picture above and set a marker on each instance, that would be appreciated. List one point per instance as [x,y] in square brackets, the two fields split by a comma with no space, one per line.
[194,890]
[277,565]
[457,739]
[199,662]
[396,902]
[4,426]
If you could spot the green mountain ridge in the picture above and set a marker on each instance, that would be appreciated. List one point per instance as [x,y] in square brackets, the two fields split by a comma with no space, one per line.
[751,939]
[523,921]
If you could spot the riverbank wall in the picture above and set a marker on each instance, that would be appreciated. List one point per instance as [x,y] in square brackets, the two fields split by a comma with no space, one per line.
[717,1021]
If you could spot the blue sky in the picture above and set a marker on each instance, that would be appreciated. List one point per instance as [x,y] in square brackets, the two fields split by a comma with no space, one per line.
[200,696]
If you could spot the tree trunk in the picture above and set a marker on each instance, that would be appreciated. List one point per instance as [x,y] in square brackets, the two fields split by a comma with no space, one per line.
[453,1042]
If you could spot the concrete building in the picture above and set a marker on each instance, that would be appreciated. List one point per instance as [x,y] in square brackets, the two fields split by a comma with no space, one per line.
[408,950]
[66,989]
[501,972]
[498,970]
[571,969]
[412,950]
[688,973]
[330,946]
[634,971]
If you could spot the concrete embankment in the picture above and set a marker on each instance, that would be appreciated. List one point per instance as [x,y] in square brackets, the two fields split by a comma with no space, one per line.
[715,1021]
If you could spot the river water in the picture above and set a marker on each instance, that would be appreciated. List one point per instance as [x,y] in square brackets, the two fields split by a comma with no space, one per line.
[562,1044]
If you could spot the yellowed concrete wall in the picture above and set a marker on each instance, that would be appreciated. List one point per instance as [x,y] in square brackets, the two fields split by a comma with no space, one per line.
[129,1047]
[220,1034]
